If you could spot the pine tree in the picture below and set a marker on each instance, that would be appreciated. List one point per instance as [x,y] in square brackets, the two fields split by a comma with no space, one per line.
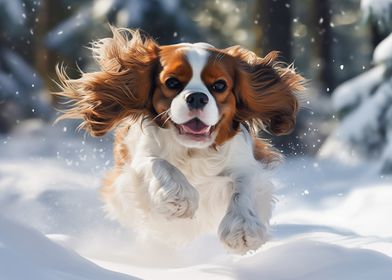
[20,85]
[364,103]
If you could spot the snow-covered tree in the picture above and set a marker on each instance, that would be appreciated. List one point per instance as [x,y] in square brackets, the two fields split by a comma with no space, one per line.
[20,85]
[364,103]
[164,20]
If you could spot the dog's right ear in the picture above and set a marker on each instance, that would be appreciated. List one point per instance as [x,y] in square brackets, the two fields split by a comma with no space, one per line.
[122,87]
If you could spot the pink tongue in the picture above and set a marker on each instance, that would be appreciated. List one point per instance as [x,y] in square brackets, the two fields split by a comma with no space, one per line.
[195,126]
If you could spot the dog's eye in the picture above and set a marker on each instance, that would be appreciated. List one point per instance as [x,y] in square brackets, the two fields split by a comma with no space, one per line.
[219,86]
[173,83]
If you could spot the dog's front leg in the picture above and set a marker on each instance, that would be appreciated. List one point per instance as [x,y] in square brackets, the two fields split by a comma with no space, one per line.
[170,192]
[241,229]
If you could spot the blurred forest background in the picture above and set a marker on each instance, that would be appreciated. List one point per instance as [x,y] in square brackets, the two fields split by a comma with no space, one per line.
[329,41]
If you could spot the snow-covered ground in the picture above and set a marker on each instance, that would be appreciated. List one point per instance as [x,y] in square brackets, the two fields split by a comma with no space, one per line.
[330,222]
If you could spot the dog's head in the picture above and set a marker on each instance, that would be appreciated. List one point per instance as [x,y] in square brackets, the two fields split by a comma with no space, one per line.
[199,92]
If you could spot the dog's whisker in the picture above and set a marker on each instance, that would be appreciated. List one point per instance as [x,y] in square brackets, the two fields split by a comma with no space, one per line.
[161,114]
[167,119]
[151,121]
[168,116]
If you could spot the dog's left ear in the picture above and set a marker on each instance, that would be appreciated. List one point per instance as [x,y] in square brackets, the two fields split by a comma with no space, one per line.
[121,88]
[265,90]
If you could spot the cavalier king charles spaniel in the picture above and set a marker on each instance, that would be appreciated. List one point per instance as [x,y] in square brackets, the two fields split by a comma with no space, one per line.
[187,159]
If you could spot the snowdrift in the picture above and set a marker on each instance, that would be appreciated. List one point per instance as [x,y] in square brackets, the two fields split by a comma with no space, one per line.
[330,221]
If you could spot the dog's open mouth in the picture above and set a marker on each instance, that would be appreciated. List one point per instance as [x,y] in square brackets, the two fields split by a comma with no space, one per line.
[195,127]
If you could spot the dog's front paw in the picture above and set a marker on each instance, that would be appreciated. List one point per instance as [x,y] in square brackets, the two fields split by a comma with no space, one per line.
[172,195]
[241,233]
[174,200]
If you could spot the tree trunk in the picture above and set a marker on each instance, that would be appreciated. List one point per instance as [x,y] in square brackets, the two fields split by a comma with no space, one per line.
[273,19]
[376,35]
[50,14]
[322,34]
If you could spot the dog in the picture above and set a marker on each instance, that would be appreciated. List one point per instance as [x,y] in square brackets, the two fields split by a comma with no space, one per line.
[187,159]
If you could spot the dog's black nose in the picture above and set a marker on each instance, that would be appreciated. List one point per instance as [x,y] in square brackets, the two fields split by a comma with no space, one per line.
[196,100]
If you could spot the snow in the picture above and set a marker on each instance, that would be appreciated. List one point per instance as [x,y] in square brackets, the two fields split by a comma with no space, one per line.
[102,7]
[171,6]
[364,100]
[21,76]
[382,53]
[14,10]
[379,11]
[61,35]
[27,254]
[351,93]
[330,222]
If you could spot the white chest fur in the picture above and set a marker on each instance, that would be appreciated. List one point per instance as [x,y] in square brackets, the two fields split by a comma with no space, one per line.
[212,172]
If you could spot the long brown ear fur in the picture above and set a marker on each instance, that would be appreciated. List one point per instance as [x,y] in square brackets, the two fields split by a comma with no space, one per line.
[120,89]
[266,91]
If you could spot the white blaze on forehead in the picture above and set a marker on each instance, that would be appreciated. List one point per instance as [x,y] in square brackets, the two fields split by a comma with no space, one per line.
[197,58]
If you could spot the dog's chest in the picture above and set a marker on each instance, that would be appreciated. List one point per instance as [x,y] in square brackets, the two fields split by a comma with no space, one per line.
[203,169]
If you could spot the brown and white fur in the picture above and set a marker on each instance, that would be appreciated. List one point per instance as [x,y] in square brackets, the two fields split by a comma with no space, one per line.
[186,159]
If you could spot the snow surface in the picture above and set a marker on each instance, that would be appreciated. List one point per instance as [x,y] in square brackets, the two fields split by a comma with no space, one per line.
[331,221]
